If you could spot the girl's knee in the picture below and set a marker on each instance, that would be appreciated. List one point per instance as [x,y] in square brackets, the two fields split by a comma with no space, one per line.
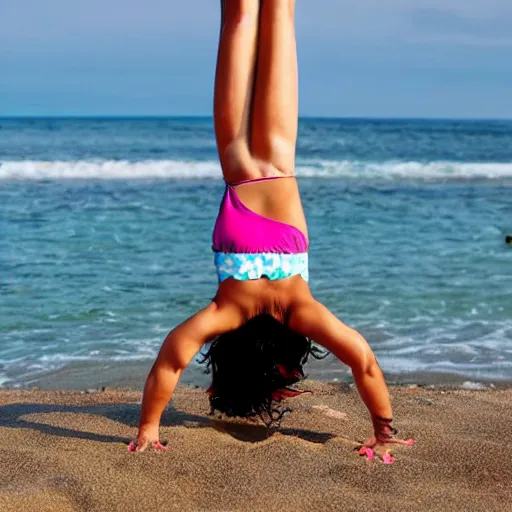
[240,12]
[280,8]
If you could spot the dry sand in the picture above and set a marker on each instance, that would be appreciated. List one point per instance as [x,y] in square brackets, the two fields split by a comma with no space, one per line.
[63,451]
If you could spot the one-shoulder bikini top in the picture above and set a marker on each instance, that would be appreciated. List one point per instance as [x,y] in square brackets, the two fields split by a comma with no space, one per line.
[241,230]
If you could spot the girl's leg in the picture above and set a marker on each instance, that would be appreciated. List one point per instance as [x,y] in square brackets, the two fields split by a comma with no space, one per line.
[275,105]
[234,83]
[177,351]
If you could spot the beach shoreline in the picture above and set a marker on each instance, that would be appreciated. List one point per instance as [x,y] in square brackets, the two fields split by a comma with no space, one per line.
[132,376]
[66,450]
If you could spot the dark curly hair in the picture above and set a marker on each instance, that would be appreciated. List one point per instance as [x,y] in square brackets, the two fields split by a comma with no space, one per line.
[253,366]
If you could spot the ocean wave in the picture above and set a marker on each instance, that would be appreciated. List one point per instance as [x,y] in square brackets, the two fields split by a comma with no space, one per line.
[107,170]
[176,169]
[435,170]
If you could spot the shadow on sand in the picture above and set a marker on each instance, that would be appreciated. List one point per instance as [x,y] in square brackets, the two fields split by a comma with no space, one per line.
[17,416]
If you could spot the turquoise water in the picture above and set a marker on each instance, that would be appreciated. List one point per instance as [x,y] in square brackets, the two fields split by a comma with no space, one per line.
[106,231]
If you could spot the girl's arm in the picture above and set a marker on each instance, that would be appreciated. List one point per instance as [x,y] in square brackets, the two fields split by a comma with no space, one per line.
[178,349]
[313,320]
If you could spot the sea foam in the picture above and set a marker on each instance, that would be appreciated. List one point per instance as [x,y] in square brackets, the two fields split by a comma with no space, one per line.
[176,169]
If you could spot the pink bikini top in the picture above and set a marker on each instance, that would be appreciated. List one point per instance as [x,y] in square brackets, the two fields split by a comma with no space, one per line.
[240,230]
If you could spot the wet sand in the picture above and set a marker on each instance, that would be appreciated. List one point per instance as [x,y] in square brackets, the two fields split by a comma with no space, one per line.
[63,451]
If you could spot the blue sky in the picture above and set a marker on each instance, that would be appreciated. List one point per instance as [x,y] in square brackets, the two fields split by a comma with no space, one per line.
[391,58]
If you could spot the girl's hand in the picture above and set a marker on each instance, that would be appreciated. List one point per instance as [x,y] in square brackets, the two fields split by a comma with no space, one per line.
[142,443]
[380,444]
[147,438]
[382,449]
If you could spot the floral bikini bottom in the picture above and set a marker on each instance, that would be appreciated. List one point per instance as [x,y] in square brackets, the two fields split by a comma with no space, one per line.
[243,267]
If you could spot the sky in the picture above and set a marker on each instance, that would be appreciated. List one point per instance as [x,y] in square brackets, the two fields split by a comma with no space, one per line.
[370,58]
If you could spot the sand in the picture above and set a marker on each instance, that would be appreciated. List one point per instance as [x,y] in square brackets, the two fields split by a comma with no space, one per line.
[64,451]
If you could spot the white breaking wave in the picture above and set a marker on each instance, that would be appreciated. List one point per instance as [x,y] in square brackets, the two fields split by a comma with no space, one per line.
[175,169]
[436,170]
[107,170]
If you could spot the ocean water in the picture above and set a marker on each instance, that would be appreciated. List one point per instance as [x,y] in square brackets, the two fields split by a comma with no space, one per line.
[105,235]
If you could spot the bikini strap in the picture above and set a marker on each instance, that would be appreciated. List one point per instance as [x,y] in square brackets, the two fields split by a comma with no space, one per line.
[254,180]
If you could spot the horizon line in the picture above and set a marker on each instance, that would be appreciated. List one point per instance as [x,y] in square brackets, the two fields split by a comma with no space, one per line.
[210,116]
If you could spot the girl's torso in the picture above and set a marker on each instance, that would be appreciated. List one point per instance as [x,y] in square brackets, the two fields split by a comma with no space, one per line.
[273,198]
[261,215]
[277,199]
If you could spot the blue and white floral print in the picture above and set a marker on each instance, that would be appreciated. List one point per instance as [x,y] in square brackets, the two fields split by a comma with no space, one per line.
[243,267]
